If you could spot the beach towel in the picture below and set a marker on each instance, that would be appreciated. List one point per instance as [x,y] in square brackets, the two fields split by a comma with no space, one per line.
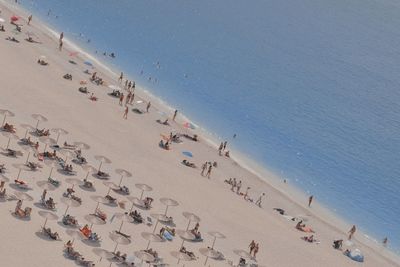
[168,236]
[307,229]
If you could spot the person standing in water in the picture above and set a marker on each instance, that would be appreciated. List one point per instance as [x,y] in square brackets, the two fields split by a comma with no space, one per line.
[121,77]
[209,171]
[121,99]
[148,107]
[29,19]
[175,113]
[259,200]
[126,113]
[352,232]
[310,199]
[385,242]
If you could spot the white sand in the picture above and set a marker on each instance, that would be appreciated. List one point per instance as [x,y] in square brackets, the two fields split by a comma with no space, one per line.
[28,88]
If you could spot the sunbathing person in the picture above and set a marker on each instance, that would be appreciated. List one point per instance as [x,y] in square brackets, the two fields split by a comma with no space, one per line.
[83,90]
[337,244]
[93,97]
[137,217]
[42,62]
[52,235]
[2,169]
[9,128]
[309,238]
[147,202]
[2,28]
[42,132]
[68,76]
[302,227]
[12,39]
[189,253]
[189,164]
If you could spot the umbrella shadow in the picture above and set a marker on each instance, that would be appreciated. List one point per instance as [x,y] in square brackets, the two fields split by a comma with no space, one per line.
[95,175]
[92,189]
[60,223]
[41,206]
[61,171]
[91,243]
[18,188]
[44,236]
[111,204]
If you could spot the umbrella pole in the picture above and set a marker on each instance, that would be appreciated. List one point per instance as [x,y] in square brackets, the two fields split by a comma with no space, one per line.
[45,221]
[45,147]
[141,195]
[116,245]
[91,226]
[206,261]
[109,190]
[148,245]
[58,137]
[166,210]
[37,124]
[120,227]
[100,165]
[215,238]
[120,181]
[19,172]
[8,143]
[4,120]
[97,206]
[65,213]
[51,171]
[27,158]
[26,133]
[187,228]
[131,208]
[155,227]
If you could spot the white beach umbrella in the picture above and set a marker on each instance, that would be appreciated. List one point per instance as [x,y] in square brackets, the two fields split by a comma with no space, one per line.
[46,185]
[59,131]
[102,160]
[39,118]
[102,253]
[144,256]
[70,203]
[27,128]
[123,173]
[81,145]
[6,114]
[48,216]
[9,136]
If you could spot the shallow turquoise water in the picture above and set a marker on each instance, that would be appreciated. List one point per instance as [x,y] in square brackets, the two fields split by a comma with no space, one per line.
[311,88]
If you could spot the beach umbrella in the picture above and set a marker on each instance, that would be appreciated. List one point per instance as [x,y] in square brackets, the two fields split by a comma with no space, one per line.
[189,125]
[81,145]
[143,187]
[191,217]
[47,141]
[23,196]
[68,154]
[123,173]
[135,201]
[185,235]
[159,218]
[102,253]
[9,136]
[6,113]
[20,168]
[216,235]
[187,154]
[75,234]
[168,202]
[48,216]
[110,186]
[93,220]
[27,128]
[59,131]
[46,185]
[119,240]
[210,253]
[52,164]
[70,203]
[144,256]
[89,169]
[123,217]
[151,237]
[39,118]
[180,256]
[99,199]
[4,179]
[114,87]
[73,182]
[242,253]
[102,160]
[30,150]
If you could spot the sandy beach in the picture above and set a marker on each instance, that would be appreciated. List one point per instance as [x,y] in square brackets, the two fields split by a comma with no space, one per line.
[133,144]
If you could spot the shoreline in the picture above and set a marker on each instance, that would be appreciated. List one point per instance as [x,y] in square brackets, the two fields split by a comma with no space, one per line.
[272,180]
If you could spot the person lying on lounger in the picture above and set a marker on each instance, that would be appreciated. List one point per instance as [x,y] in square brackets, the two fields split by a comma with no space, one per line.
[42,132]
[189,253]
[42,62]
[12,39]
[68,76]
[9,128]
[189,164]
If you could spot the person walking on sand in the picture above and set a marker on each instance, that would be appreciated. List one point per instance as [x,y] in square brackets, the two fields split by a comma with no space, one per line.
[310,199]
[148,107]
[221,146]
[29,19]
[121,77]
[352,232]
[203,168]
[132,98]
[61,36]
[234,183]
[252,246]
[126,113]
[121,99]
[246,194]
[224,147]
[60,45]
[128,97]
[239,185]
[209,171]
[175,113]
[385,242]
[259,200]
[255,251]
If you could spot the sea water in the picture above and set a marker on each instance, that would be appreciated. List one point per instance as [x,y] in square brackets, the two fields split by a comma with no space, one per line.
[311,88]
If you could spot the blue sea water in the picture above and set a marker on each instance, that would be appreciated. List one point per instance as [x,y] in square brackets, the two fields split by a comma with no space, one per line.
[310,87]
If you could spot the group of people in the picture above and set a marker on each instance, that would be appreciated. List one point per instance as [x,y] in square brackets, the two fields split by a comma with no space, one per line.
[222,149]
[206,169]
[253,248]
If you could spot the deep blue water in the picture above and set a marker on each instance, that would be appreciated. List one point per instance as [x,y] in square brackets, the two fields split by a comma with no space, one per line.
[310,87]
